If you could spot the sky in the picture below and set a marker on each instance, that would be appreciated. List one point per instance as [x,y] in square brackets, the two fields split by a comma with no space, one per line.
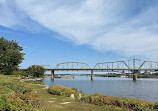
[88,31]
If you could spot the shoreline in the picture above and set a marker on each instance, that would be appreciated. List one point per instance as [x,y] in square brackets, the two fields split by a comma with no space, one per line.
[66,103]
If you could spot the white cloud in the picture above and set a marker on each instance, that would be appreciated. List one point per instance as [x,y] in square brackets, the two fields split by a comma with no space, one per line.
[116,25]
[13,17]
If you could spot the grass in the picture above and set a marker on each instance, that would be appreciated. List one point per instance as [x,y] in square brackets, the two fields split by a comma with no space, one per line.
[16,96]
[73,106]
[44,97]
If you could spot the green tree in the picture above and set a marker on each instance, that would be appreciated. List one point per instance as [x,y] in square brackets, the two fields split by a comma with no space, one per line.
[10,55]
[36,70]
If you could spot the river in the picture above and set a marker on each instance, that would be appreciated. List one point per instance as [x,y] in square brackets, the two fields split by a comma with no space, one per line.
[144,89]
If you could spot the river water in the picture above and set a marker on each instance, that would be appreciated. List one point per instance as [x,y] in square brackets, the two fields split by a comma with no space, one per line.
[144,89]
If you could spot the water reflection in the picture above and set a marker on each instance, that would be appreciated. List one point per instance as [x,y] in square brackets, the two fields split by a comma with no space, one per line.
[145,89]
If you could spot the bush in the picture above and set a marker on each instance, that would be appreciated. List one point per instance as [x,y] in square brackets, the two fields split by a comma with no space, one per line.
[36,70]
[22,73]
[136,105]
[25,102]
[15,86]
[156,105]
[15,96]
[63,91]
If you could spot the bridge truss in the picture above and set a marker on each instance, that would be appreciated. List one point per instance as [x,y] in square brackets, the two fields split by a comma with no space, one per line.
[133,66]
[127,66]
[72,65]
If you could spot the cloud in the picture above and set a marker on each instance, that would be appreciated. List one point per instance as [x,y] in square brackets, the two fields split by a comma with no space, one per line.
[127,27]
[15,18]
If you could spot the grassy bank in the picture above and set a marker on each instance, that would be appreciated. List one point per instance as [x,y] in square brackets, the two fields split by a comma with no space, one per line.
[101,100]
[56,105]
[36,98]
[16,96]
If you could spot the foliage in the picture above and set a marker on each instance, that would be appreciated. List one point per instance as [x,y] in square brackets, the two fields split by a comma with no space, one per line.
[15,96]
[15,86]
[36,70]
[63,91]
[10,56]
[3,102]
[5,90]
[22,73]
[136,105]
[35,82]
[156,105]
[98,99]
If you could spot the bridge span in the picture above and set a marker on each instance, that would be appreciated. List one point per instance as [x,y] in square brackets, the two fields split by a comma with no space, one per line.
[134,66]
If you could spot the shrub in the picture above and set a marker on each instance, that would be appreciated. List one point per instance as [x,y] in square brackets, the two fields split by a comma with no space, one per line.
[15,86]
[23,102]
[136,105]
[36,70]
[15,96]
[22,73]
[156,105]
[63,91]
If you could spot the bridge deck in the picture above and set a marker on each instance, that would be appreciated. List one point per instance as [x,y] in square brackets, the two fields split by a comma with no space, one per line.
[89,69]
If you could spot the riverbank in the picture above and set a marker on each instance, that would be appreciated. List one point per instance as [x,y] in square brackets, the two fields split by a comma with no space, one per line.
[59,103]
[143,89]
[46,101]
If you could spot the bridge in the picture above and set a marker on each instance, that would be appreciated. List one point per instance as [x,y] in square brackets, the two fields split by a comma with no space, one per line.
[134,66]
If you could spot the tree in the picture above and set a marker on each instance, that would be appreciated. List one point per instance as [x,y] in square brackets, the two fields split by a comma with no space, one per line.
[36,70]
[10,55]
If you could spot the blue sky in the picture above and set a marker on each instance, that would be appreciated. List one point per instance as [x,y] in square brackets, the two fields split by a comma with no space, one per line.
[90,31]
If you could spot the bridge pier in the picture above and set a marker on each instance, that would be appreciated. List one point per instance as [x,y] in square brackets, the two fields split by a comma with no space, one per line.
[134,76]
[91,74]
[52,74]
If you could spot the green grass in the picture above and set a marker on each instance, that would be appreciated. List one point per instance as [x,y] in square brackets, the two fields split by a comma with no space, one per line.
[44,97]
[36,82]
[73,106]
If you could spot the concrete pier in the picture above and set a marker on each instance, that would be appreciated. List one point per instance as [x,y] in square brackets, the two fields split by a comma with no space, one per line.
[135,77]
[52,74]
[91,74]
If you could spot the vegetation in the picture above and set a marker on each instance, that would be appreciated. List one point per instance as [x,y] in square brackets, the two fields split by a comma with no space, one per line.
[10,56]
[63,91]
[56,105]
[34,82]
[98,99]
[15,96]
[36,70]
[21,73]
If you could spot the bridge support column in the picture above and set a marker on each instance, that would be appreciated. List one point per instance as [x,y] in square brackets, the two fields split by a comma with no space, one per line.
[134,76]
[91,74]
[52,74]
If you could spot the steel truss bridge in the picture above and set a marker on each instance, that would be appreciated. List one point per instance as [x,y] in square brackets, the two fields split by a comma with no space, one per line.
[133,66]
